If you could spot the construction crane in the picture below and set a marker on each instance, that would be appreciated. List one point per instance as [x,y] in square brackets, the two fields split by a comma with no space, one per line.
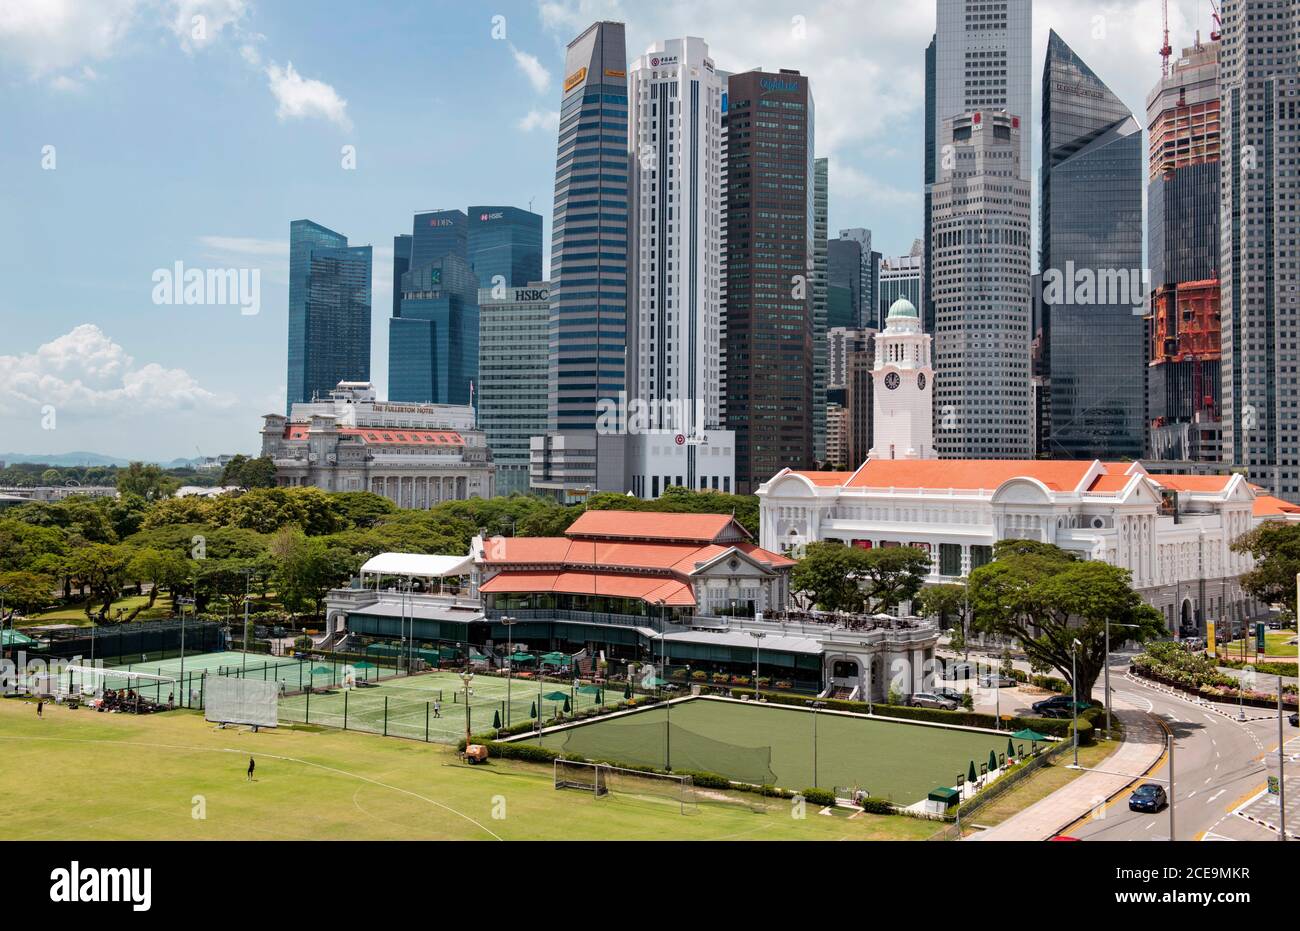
[1217,32]
[1167,51]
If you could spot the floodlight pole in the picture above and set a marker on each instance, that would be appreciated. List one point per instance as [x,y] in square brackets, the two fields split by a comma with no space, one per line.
[467,677]
[758,636]
[1074,683]
[1281,766]
[509,622]
[248,573]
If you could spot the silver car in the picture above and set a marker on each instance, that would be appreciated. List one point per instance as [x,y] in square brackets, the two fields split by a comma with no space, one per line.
[931,700]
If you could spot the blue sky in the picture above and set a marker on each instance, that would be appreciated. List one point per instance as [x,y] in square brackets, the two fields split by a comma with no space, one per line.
[176,139]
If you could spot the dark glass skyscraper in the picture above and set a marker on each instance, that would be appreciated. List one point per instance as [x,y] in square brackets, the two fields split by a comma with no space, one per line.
[770,239]
[589,231]
[433,341]
[1091,261]
[505,243]
[329,311]
[438,233]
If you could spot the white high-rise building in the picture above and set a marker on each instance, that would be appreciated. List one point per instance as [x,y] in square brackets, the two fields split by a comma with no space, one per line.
[675,264]
[903,422]
[982,62]
[983,305]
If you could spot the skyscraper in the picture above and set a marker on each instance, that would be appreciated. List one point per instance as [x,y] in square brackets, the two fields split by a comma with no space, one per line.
[770,256]
[433,341]
[1260,246]
[900,277]
[1184,377]
[983,306]
[674,338]
[1091,262]
[821,307]
[505,246]
[845,268]
[514,344]
[436,233]
[329,311]
[979,59]
[589,231]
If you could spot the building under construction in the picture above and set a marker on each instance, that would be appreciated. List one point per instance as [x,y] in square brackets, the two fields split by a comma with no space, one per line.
[1183,384]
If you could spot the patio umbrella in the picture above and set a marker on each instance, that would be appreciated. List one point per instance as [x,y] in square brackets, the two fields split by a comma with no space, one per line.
[521,657]
[556,696]
[1029,734]
[1011,750]
[589,689]
[496,720]
[993,761]
[556,659]
[970,775]
[532,711]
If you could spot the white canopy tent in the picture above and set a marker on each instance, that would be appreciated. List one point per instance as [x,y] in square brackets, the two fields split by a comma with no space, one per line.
[418,565]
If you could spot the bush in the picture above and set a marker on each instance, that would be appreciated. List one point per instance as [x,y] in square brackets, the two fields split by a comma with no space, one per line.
[822,798]
[877,806]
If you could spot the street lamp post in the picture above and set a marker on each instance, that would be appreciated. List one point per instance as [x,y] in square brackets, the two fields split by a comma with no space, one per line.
[248,573]
[758,636]
[1074,684]
[183,603]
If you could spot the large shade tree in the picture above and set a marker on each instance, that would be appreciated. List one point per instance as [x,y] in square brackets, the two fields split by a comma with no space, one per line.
[1275,546]
[1047,598]
[846,578]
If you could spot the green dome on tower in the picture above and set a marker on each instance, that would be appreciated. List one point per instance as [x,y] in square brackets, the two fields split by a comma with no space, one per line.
[903,308]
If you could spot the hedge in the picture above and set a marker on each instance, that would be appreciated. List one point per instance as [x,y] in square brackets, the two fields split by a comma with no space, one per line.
[821,797]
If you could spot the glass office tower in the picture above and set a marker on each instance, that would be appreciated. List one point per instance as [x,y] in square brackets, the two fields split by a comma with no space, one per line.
[438,233]
[1091,261]
[589,231]
[433,342]
[329,311]
[505,246]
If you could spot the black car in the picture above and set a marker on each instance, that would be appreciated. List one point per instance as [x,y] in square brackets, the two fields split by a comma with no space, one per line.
[1148,797]
[1056,711]
[1295,719]
[1064,702]
[950,694]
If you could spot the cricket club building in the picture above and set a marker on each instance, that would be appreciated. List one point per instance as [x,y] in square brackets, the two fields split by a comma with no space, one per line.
[691,594]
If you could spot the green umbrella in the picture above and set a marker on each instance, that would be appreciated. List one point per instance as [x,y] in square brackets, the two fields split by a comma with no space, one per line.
[1011,751]
[589,689]
[532,711]
[993,761]
[557,659]
[363,665]
[556,696]
[567,707]
[656,681]
[322,671]
[496,720]
[1029,734]
[521,657]
[627,692]
[970,775]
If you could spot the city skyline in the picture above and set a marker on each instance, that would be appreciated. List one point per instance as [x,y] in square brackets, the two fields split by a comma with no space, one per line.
[125,365]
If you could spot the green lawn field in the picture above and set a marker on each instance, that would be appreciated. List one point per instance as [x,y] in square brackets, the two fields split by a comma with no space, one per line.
[901,762]
[82,775]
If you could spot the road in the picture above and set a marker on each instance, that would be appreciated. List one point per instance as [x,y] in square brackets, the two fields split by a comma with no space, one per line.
[1220,765]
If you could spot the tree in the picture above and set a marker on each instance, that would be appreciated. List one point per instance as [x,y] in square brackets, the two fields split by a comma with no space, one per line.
[147,481]
[26,591]
[159,568]
[1275,547]
[308,569]
[103,569]
[242,472]
[893,575]
[1046,598]
[948,603]
[829,573]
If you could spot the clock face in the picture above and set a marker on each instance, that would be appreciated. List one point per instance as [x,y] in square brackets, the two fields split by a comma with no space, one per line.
[892,381]
[920,381]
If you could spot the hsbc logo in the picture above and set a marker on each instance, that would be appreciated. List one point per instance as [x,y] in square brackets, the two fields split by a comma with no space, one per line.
[485,217]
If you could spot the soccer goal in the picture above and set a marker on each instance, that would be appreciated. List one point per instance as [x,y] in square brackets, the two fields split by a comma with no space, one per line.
[603,779]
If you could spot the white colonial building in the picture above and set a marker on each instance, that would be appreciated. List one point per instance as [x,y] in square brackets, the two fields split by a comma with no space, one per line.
[1173,532]
[415,455]
[903,421]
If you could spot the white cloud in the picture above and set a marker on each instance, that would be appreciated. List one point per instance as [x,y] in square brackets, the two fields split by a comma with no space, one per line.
[306,98]
[84,372]
[548,120]
[533,69]
[48,37]
[247,246]
[199,23]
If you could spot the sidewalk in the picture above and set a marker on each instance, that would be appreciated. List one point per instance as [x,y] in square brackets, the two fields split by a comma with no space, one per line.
[1144,742]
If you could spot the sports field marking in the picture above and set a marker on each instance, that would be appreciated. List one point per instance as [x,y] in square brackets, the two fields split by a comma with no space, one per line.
[270,756]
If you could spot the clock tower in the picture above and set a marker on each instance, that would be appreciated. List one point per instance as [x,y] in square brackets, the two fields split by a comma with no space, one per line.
[903,424]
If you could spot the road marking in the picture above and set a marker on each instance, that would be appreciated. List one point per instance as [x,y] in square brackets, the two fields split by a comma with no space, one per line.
[1214,796]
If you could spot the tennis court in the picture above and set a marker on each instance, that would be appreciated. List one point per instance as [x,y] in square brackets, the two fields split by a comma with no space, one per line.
[294,674]
[792,748]
[431,706]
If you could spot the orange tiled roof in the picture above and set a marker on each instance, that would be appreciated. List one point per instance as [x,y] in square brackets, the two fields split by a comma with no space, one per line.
[1269,506]
[651,525]
[1111,481]
[968,474]
[614,585]
[666,556]
[1202,483]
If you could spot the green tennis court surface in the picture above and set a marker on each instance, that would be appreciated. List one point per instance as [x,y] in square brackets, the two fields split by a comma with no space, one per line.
[431,706]
[769,745]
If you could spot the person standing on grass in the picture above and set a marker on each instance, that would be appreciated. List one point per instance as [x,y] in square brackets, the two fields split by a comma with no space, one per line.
[40,708]
[437,708]
[251,766]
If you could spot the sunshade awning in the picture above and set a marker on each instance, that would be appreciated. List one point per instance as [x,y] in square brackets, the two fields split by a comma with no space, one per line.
[418,565]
